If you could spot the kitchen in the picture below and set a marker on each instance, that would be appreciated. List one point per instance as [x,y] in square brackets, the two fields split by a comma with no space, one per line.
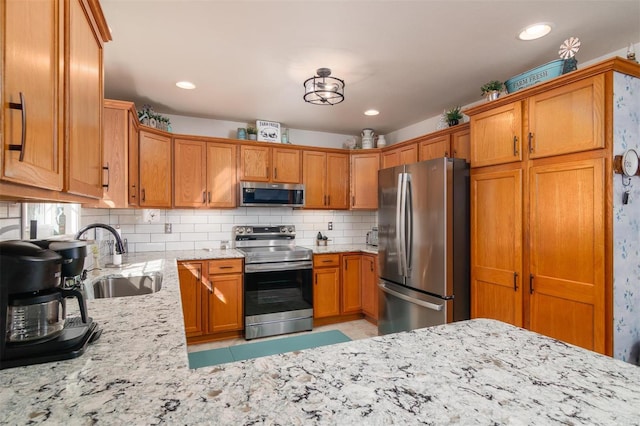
[351,233]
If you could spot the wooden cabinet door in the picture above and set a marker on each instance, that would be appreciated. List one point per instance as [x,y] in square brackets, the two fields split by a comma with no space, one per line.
[351,284]
[221,175]
[567,119]
[396,157]
[33,50]
[434,148]
[326,292]
[115,193]
[496,245]
[337,181]
[286,166]
[255,163]
[314,168]
[190,173]
[83,80]
[461,144]
[155,170]
[134,164]
[225,303]
[497,135]
[190,275]
[390,159]
[364,181]
[369,279]
[567,259]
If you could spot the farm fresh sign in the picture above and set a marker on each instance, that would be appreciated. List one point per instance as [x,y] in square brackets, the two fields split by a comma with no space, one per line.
[268,131]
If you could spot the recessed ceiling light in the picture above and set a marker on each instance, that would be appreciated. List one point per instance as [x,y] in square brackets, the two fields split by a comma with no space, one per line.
[371,112]
[535,31]
[186,85]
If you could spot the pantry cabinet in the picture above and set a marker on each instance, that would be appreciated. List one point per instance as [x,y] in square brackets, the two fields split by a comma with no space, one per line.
[204,174]
[369,286]
[211,293]
[52,120]
[264,164]
[364,181]
[496,244]
[155,169]
[326,179]
[542,210]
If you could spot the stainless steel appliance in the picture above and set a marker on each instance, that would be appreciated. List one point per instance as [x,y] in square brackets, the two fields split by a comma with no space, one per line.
[33,324]
[271,194]
[423,251]
[278,288]
[372,237]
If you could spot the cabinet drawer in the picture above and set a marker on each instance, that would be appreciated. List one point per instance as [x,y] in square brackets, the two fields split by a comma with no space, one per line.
[225,266]
[322,260]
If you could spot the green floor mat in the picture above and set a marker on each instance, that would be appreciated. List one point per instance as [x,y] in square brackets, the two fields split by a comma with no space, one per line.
[264,348]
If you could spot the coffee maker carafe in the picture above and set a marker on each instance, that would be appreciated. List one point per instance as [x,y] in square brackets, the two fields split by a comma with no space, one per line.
[33,324]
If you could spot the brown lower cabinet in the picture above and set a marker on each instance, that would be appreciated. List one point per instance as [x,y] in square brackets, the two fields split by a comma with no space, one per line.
[211,294]
[344,287]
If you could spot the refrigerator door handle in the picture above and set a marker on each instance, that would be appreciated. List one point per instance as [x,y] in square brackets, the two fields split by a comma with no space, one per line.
[418,302]
[408,224]
[402,224]
[398,240]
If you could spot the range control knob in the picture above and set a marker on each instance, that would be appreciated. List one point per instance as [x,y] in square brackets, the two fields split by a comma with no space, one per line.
[248,230]
[240,230]
[291,229]
[283,229]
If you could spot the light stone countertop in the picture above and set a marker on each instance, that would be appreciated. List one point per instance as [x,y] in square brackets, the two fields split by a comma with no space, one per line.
[471,372]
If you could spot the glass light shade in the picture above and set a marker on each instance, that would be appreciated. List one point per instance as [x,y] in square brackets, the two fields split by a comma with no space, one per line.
[323,89]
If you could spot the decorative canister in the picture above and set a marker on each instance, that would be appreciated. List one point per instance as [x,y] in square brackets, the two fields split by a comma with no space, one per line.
[241,133]
[381,142]
[367,138]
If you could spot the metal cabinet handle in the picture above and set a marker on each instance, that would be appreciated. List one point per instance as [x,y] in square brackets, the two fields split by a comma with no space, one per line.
[209,196]
[530,142]
[446,153]
[226,267]
[275,173]
[329,199]
[371,265]
[23,140]
[515,281]
[108,176]
[530,283]
[204,197]
[515,146]
[133,194]
[144,195]
[353,200]
[324,200]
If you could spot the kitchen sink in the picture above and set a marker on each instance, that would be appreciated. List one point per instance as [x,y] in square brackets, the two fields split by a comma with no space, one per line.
[119,286]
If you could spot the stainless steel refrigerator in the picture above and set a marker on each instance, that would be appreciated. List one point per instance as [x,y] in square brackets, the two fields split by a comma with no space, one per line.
[423,248]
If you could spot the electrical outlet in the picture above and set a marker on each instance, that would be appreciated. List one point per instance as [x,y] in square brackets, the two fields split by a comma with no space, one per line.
[330,226]
[167,228]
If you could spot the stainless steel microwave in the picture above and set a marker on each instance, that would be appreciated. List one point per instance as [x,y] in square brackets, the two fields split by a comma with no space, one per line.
[271,194]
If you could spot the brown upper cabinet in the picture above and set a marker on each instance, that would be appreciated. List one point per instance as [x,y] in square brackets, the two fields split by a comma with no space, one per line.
[260,163]
[563,120]
[52,122]
[326,179]
[204,174]
[435,147]
[405,154]
[155,169]
[364,180]
[461,144]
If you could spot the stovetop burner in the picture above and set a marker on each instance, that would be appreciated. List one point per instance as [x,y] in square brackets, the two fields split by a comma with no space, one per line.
[261,244]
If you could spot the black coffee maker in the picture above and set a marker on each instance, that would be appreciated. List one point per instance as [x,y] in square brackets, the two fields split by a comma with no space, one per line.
[33,327]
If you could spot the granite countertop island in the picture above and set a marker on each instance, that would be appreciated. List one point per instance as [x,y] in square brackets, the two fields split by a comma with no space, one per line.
[471,372]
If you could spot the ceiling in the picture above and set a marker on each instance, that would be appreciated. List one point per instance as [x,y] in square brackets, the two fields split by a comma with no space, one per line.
[408,59]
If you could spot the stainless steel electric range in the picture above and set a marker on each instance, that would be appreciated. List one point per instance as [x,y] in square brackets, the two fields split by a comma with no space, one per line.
[278,288]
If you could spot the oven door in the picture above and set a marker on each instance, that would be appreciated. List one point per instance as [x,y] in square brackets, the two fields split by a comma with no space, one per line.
[276,294]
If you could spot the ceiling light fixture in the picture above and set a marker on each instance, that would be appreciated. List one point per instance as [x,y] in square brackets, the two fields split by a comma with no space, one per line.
[322,89]
[371,112]
[186,85]
[535,31]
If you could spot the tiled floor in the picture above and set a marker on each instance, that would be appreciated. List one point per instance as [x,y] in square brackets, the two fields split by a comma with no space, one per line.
[359,329]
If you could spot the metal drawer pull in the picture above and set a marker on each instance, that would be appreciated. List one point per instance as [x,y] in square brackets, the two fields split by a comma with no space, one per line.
[515,281]
[204,197]
[418,302]
[108,176]
[531,284]
[225,267]
[23,140]
[515,146]
[530,142]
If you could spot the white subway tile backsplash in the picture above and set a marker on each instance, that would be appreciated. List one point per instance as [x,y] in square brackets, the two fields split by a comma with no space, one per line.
[201,228]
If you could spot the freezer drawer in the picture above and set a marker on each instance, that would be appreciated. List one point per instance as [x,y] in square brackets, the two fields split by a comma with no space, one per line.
[402,309]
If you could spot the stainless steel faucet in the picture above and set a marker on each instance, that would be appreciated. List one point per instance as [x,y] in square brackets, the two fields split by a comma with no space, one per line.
[119,244]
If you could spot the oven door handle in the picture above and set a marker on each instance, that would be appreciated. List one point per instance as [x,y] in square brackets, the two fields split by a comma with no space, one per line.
[277,266]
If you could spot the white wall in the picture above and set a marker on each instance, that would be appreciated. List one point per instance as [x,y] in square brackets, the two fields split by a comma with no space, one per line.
[199,229]
[227,129]
[10,221]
